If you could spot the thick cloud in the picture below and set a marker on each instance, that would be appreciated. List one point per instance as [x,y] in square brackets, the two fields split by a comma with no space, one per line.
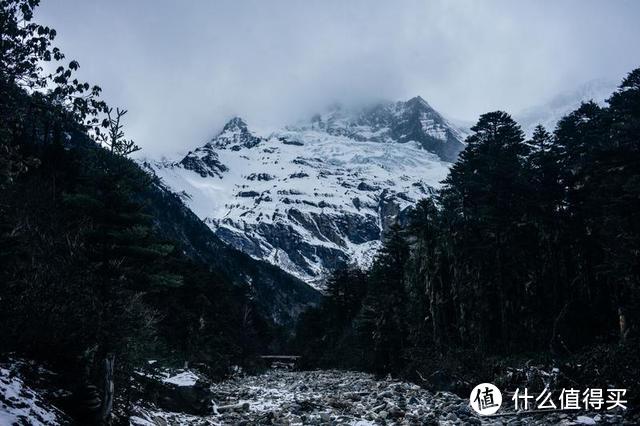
[183,68]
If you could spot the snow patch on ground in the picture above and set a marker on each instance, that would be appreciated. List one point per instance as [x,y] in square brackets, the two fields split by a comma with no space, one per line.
[180,377]
[186,378]
[21,405]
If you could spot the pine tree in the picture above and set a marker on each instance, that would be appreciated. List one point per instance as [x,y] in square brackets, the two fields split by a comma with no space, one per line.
[431,320]
[381,322]
[114,138]
[345,290]
[484,195]
[545,172]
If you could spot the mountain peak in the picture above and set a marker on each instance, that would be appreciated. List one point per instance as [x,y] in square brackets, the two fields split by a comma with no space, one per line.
[236,123]
[418,101]
[235,134]
[413,121]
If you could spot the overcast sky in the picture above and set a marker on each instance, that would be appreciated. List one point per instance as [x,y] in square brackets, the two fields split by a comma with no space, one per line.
[183,67]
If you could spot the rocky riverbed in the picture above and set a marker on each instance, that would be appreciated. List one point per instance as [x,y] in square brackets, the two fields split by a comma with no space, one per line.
[329,397]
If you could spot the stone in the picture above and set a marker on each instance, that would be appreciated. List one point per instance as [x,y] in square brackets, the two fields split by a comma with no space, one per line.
[325,417]
[396,412]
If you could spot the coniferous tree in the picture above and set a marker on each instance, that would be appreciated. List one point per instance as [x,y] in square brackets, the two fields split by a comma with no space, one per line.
[429,306]
[486,197]
[545,217]
[381,320]
[345,290]
[582,140]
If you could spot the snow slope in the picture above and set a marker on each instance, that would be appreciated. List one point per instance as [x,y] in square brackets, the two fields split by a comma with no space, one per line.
[20,404]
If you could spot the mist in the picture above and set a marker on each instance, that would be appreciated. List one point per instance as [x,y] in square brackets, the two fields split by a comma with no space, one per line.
[183,68]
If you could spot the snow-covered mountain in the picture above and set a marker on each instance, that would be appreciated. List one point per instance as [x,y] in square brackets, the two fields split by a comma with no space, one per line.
[549,113]
[312,196]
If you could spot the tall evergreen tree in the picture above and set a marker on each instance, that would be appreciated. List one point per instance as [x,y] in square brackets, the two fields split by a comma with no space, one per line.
[345,289]
[381,320]
[432,322]
[485,191]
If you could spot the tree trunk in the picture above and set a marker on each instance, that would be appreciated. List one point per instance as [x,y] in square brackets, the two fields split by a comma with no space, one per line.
[107,402]
[624,328]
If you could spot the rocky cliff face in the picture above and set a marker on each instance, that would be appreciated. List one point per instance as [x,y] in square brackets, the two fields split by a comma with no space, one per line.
[312,196]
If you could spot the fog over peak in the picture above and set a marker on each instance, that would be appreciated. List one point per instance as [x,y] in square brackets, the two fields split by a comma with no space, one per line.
[182,69]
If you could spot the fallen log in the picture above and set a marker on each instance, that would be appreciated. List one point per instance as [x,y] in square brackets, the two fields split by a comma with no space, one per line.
[244,406]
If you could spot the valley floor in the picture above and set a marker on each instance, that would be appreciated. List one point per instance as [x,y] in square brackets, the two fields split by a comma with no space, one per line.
[337,397]
[282,397]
